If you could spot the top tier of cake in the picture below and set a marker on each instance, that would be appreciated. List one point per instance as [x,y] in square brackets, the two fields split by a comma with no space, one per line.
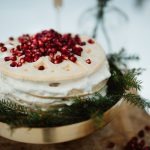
[53,56]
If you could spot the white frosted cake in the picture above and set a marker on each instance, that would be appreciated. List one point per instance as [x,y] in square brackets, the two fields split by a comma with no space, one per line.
[50,68]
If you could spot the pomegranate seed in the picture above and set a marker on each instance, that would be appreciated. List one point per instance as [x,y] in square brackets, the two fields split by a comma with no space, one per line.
[57,61]
[53,50]
[77,50]
[1,44]
[22,60]
[65,57]
[7,58]
[73,58]
[51,55]
[11,38]
[146,148]
[147,128]
[3,49]
[12,50]
[41,68]
[42,50]
[13,58]
[13,64]
[19,64]
[141,134]
[83,43]
[88,61]
[35,58]
[91,41]
[111,145]
[58,57]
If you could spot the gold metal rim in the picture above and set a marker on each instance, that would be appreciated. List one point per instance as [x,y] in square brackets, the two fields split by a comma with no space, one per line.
[57,134]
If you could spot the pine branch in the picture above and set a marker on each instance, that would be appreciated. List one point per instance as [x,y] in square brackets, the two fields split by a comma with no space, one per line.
[137,100]
[121,58]
[130,80]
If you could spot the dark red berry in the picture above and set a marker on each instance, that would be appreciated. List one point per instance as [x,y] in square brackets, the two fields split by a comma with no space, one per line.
[146,148]
[73,59]
[83,43]
[1,44]
[7,58]
[3,49]
[11,38]
[141,133]
[91,41]
[19,64]
[88,61]
[13,64]
[147,128]
[110,145]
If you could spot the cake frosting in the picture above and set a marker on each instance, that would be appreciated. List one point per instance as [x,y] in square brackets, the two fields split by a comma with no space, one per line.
[22,89]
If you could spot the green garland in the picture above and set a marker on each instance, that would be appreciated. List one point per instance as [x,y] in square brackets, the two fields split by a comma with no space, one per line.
[120,81]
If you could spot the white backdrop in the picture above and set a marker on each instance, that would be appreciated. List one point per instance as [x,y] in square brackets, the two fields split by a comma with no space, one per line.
[29,16]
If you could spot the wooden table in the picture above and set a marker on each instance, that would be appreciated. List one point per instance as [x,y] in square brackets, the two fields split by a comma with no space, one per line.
[126,125]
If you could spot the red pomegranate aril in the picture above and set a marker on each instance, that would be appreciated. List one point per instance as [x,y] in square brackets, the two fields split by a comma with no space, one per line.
[57,61]
[13,64]
[18,47]
[64,48]
[73,58]
[22,60]
[88,61]
[53,50]
[110,145]
[34,41]
[35,58]
[13,58]
[27,51]
[7,58]
[11,38]
[19,64]
[28,59]
[51,55]
[1,44]
[77,50]
[19,54]
[83,43]
[147,128]
[91,41]
[40,43]
[146,148]
[41,68]
[42,50]
[58,57]
[3,49]
[12,50]
[65,57]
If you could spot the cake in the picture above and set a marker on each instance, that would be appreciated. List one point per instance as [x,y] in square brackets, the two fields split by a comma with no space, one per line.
[49,69]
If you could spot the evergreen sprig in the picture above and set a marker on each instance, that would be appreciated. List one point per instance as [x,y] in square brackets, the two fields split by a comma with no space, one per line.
[94,106]
[136,100]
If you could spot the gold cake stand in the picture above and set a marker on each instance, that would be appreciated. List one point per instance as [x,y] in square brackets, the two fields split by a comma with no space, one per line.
[57,134]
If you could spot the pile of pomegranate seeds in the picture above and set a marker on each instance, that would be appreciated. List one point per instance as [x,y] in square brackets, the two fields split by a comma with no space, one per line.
[136,143]
[49,43]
